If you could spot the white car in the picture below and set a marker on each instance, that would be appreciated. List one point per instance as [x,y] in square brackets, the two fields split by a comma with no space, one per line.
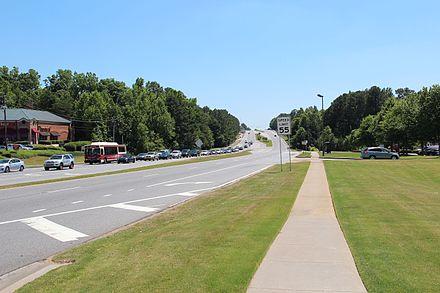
[204,153]
[176,154]
[59,162]
[7,165]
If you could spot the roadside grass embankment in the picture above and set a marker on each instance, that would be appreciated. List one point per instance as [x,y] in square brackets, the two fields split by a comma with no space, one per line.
[174,163]
[357,156]
[213,243]
[264,140]
[390,214]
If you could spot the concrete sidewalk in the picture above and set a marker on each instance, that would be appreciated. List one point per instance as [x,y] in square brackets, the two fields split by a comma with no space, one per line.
[310,254]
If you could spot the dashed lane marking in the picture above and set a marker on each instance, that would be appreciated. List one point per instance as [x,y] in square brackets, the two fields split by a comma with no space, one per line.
[78,201]
[64,189]
[40,210]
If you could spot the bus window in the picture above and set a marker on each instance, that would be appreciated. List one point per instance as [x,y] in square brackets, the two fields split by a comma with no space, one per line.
[122,149]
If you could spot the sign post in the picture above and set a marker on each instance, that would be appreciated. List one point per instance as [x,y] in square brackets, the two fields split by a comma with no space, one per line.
[283,125]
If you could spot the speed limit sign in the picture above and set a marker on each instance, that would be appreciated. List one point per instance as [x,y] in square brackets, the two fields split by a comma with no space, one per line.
[283,125]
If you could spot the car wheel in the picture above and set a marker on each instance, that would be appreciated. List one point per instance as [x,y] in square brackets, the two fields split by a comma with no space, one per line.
[372,157]
[7,170]
[45,168]
[61,166]
[71,165]
[21,168]
[393,158]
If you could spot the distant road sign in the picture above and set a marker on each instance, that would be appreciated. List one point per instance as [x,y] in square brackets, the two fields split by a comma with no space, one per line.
[199,143]
[284,125]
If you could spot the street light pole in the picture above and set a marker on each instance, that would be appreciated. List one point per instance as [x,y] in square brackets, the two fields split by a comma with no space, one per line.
[322,110]
[6,126]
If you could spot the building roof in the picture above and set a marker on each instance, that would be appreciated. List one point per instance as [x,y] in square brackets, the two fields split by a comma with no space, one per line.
[27,114]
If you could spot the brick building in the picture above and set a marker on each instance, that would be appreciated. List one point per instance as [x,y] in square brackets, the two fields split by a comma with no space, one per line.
[32,126]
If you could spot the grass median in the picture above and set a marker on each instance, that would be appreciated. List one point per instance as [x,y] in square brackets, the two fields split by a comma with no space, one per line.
[213,243]
[390,214]
[174,163]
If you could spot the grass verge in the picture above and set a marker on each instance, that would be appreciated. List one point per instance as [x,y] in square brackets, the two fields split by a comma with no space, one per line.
[341,155]
[213,243]
[175,163]
[390,214]
[304,154]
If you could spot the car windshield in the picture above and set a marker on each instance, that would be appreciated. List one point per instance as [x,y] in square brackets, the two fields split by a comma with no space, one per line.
[150,153]
[142,154]
[56,157]
[4,161]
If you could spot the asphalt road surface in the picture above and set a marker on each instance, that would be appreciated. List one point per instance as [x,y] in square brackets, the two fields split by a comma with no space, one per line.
[39,221]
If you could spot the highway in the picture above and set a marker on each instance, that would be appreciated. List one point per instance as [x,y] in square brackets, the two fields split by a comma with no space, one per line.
[38,174]
[39,221]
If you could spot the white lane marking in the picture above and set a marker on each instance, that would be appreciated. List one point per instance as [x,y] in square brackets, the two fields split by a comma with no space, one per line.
[53,230]
[70,174]
[187,183]
[107,195]
[130,190]
[140,200]
[35,175]
[65,189]
[78,201]
[40,210]
[133,208]
[150,175]
[192,176]
[187,194]
[192,168]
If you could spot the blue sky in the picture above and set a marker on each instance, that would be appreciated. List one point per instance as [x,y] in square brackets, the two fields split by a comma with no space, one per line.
[253,58]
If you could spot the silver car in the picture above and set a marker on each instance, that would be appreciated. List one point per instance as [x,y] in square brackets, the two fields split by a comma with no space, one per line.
[7,165]
[59,162]
[378,153]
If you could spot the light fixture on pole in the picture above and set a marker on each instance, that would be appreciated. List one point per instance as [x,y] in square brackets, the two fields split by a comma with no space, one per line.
[322,108]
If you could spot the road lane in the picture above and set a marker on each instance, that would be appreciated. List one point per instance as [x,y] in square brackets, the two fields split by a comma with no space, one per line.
[38,221]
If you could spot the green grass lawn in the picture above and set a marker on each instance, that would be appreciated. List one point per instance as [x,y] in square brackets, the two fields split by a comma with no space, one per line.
[341,155]
[304,154]
[390,214]
[213,243]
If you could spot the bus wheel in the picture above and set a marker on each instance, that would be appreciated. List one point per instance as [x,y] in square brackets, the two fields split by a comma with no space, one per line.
[105,161]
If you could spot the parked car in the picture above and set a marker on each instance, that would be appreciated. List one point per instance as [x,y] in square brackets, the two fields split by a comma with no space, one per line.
[127,159]
[164,155]
[152,156]
[27,147]
[185,152]
[176,154]
[378,153]
[141,157]
[194,153]
[204,153]
[7,165]
[432,150]
[59,162]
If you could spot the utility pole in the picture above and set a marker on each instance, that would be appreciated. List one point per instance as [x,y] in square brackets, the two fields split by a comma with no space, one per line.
[322,111]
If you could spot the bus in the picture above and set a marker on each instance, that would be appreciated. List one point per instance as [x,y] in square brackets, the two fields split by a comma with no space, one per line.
[103,152]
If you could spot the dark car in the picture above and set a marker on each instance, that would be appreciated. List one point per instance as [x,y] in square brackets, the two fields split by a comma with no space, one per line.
[141,157]
[378,153]
[185,152]
[194,153]
[127,159]
[164,155]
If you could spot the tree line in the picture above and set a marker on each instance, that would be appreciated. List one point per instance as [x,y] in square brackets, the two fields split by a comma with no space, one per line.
[402,119]
[145,116]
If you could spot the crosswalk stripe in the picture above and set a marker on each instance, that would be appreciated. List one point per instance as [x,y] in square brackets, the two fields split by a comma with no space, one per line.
[53,230]
[133,207]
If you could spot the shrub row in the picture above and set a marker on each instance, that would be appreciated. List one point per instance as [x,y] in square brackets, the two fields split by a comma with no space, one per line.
[75,145]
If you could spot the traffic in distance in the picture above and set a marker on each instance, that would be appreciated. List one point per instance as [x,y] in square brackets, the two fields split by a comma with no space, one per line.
[108,152]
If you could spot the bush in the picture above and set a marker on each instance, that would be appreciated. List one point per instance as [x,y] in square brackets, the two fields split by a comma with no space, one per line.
[47,147]
[50,142]
[75,145]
